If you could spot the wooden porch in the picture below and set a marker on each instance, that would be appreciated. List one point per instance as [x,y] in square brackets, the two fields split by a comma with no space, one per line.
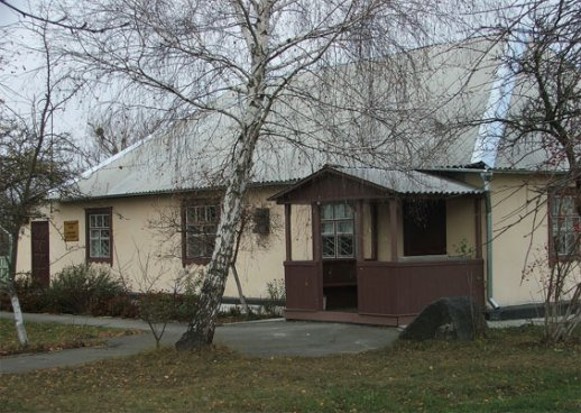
[381,252]
[387,293]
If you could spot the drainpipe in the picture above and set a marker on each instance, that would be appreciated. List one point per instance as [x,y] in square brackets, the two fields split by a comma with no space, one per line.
[486,176]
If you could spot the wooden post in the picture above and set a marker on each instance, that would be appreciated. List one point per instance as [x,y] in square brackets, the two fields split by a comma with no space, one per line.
[287,231]
[393,228]
[316,214]
[359,245]
[317,254]
[373,213]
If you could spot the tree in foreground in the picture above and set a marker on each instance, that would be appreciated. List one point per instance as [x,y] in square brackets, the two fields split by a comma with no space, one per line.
[33,160]
[546,36]
[244,61]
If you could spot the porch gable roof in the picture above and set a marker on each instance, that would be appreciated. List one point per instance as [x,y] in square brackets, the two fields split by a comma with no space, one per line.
[334,182]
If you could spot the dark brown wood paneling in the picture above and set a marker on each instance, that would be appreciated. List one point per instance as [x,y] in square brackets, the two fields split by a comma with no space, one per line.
[420,283]
[405,288]
[377,288]
[40,252]
[333,187]
[303,285]
[287,232]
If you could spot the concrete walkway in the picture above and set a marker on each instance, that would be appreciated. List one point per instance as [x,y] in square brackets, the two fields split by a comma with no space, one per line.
[258,338]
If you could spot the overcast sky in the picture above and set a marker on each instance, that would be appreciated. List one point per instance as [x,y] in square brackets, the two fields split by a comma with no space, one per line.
[20,81]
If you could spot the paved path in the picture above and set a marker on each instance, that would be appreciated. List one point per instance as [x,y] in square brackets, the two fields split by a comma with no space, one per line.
[258,338]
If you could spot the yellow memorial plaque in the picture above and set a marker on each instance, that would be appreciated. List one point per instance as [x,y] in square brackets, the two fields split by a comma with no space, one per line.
[71,230]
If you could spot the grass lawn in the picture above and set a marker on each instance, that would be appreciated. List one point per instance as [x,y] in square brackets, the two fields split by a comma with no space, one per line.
[508,372]
[53,336]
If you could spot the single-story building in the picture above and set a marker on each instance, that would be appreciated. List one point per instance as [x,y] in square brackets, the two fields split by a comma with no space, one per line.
[445,210]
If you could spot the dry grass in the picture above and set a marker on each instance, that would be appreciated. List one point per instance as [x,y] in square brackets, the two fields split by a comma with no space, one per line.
[509,371]
[52,337]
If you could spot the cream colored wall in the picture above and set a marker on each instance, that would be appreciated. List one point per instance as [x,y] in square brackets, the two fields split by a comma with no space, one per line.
[515,245]
[147,244]
[301,233]
[261,258]
[460,226]
[383,228]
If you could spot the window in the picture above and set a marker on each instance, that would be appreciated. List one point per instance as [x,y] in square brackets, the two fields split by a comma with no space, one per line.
[201,223]
[337,231]
[261,218]
[565,226]
[99,235]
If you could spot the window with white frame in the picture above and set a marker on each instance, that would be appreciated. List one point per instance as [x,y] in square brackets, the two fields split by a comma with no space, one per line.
[99,235]
[201,223]
[337,230]
[565,226]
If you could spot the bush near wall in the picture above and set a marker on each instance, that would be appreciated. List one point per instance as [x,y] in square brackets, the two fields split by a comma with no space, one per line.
[78,289]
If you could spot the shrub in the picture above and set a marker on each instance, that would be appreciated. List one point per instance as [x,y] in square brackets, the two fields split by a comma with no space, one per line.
[84,289]
[31,295]
[276,297]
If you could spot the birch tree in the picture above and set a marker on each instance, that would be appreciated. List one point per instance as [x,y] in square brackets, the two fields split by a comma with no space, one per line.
[236,58]
[116,128]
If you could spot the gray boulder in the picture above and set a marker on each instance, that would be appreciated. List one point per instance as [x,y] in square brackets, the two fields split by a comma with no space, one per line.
[449,318]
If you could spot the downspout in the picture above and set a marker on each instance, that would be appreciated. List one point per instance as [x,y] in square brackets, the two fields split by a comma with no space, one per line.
[486,176]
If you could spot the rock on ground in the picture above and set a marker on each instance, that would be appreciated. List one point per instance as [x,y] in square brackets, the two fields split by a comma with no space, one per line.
[451,317]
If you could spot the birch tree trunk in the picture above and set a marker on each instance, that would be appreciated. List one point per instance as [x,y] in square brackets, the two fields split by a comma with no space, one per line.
[16,309]
[201,330]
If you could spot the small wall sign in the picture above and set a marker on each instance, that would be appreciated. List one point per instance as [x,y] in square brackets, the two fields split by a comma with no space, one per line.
[71,231]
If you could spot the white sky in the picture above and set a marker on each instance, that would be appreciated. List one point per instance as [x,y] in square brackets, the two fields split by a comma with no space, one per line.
[20,82]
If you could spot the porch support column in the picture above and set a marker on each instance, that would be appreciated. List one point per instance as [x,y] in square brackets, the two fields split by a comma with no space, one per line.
[316,214]
[287,231]
[373,212]
[359,246]
[393,228]
[478,226]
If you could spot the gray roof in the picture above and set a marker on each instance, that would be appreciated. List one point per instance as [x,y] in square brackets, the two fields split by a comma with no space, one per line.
[356,116]
[411,182]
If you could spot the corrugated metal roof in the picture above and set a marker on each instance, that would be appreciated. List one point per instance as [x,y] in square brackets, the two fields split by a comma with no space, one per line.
[302,134]
[410,182]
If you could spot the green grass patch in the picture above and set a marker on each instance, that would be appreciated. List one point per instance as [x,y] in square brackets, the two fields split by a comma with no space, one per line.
[509,371]
[53,336]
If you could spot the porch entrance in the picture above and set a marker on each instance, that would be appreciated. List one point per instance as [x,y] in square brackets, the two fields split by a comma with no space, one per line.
[340,285]
[372,259]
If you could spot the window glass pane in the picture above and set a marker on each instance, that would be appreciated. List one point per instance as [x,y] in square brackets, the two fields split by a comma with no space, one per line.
[194,247]
[92,221]
[95,234]
[105,248]
[95,250]
[345,227]
[328,228]
[105,233]
[211,215]
[339,211]
[329,246]
[343,211]
[327,211]
[106,223]
[345,244]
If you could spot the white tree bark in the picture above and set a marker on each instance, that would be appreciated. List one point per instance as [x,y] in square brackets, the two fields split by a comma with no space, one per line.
[18,320]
